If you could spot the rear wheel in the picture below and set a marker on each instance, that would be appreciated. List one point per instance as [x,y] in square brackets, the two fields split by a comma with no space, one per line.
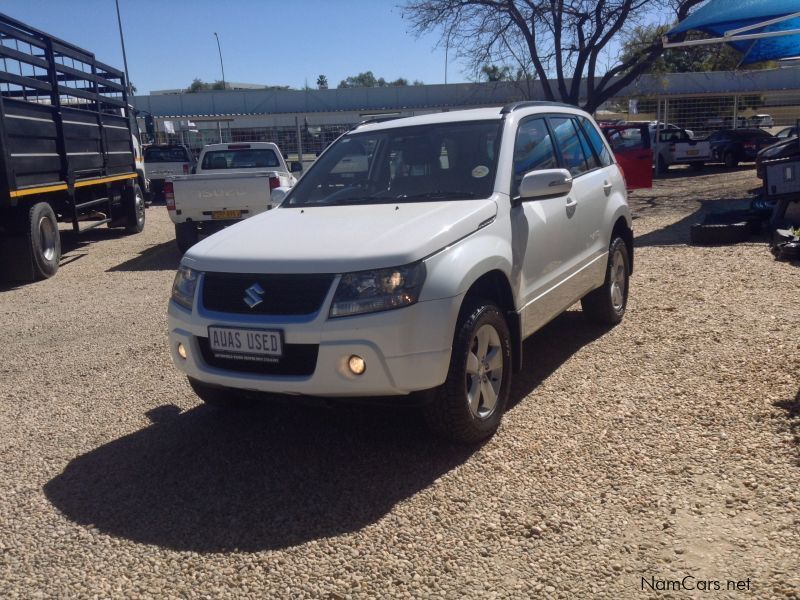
[470,404]
[606,305]
[186,235]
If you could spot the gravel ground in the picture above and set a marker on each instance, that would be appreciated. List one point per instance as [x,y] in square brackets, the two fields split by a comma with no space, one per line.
[666,447]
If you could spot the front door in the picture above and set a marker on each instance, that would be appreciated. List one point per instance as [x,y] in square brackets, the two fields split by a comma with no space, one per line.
[544,239]
[632,149]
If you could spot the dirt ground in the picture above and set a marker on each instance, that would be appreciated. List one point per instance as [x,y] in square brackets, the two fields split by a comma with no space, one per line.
[664,450]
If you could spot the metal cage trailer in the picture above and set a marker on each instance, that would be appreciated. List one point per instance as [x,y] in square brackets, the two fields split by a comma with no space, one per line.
[67,152]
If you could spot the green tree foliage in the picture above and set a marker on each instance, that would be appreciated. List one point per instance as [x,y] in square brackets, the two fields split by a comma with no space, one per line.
[495,73]
[713,57]
[322,82]
[368,80]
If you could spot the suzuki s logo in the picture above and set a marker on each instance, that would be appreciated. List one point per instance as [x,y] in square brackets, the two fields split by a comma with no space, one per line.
[254,295]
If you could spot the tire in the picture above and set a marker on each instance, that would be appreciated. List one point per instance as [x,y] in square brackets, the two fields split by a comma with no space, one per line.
[720,233]
[186,235]
[606,305]
[450,414]
[134,209]
[217,396]
[32,250]
[663,167]
[730,160]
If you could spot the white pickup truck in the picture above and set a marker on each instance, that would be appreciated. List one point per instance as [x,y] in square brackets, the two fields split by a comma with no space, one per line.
[677,147]
[232,182]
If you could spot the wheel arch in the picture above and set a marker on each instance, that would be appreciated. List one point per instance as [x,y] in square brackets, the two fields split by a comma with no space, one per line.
[623,230]
[494,285]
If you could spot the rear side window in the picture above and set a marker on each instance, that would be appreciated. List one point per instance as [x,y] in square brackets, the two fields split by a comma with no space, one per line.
[533,150]
[165,155]
[596,141]
[240,159]
[569,144]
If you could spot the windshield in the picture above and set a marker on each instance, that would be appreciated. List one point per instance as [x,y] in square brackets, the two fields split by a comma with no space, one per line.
[239,159]
[407,164]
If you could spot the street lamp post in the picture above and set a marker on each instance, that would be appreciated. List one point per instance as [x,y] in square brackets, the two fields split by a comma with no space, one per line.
[124,57]
[221,66]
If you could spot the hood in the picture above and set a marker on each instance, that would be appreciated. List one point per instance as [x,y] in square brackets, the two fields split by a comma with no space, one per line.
[339,239]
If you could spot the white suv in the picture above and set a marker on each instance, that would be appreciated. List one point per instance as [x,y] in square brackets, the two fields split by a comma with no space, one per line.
[414,256]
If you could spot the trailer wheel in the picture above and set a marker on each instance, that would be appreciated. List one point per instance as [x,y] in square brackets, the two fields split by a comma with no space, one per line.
[134,209]
[44,241]
[186,235]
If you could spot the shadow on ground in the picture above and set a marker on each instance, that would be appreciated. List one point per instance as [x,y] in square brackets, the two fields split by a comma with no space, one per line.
[161,257]
[792,408]
[277,475]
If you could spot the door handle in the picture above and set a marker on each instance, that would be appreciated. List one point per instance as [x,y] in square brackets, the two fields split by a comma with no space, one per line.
[607,187]
[571,203]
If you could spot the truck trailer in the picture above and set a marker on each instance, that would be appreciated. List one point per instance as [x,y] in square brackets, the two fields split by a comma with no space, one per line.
[68,151]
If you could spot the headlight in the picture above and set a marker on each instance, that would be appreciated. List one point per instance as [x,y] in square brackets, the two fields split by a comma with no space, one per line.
[373,291]
[184,286]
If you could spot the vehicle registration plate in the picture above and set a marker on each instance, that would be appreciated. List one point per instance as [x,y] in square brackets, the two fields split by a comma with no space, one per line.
[245,344]
[226,214]
[692,152]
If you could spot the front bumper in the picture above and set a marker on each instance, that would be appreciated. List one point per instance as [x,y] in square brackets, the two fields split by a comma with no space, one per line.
[405,350]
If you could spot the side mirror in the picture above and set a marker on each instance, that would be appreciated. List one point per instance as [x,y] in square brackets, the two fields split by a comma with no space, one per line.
[545,184]
[296,167]
[278,195]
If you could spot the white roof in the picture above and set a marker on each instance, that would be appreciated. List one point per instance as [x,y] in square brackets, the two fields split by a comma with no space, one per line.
[475,114]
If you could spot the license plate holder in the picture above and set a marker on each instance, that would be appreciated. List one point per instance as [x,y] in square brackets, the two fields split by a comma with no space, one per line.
[692,152]
[219,215]
[246,343]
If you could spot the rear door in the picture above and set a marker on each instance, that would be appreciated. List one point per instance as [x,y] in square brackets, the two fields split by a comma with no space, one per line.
[632,149]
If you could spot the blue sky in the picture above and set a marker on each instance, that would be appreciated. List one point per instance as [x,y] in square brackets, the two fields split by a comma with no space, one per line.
[170,42]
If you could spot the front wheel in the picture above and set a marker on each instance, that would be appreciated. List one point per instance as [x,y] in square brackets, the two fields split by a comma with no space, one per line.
[134,210]
[470,404]
[606,305]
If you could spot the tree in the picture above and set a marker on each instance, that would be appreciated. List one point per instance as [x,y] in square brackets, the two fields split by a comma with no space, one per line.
[711,57]
[322,82]
[197,85]
[218,85]
[567,39]
[368,79]
[495,73]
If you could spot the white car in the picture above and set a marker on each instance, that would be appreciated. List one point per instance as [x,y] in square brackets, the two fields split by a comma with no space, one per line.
[412,260]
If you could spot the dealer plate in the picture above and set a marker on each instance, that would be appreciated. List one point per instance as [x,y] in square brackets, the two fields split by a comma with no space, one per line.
[226,214]
[246,344]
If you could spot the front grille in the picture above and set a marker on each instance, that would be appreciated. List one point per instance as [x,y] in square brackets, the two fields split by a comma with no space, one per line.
[297,359]
[283,294]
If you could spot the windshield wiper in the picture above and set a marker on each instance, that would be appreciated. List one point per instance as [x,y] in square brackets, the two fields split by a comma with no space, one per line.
[439,195]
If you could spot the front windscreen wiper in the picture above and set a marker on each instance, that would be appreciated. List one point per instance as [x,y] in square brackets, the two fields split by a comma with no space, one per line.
[438,195]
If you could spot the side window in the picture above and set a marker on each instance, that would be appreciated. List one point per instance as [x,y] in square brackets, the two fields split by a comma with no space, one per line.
[591,159]
[533,150]
[569,144]
[596,141]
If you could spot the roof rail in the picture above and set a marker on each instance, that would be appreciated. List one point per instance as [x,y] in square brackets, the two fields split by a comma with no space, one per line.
[377,120]
[531,103]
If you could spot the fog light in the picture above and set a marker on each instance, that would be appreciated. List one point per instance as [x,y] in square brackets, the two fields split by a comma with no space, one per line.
[182,351]
[357,364]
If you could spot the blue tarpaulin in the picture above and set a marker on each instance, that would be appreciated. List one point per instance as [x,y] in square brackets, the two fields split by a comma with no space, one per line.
[721,16]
